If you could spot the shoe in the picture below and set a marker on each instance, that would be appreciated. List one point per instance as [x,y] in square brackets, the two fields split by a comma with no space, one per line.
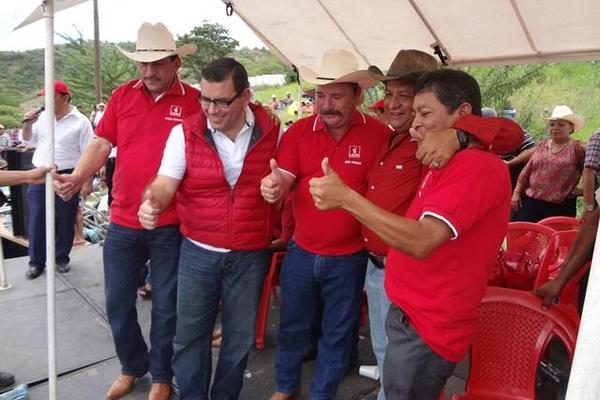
[160,391]
[120,387]
[63,268]
[281,396]
[6,379]
[33,272]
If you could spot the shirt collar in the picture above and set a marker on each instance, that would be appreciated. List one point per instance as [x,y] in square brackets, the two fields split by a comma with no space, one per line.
[250,120]
[358,118]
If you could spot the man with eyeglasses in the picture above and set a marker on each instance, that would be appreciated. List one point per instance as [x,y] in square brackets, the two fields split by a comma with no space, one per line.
[138,119]
[214,163]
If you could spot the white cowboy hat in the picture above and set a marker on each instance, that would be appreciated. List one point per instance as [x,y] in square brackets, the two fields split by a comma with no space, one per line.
[337,66]
[154,43]
[565,113]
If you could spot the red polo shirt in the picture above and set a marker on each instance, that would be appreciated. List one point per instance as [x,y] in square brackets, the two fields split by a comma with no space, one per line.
[301,151]
[394,179]
[139,127]
[440,294]
[393,182]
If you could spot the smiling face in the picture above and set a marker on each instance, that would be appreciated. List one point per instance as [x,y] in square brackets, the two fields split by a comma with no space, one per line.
[225,118]
[398,103]
[336,104]
[431,114]
[159,75]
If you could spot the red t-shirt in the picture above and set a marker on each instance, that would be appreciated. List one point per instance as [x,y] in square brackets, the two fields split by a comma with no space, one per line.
[139,127]
[440,294]
[393,181]
[301,151]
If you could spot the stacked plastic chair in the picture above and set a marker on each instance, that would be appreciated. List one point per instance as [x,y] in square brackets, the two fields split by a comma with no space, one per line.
[270,282]
[561,223]
[513,334]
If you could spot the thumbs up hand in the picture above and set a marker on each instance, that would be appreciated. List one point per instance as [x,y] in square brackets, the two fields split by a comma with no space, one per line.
[272,185]
[149,211]
[328,192]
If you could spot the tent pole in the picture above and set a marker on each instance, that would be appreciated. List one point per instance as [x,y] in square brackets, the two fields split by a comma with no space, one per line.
[583,382]
[48,9]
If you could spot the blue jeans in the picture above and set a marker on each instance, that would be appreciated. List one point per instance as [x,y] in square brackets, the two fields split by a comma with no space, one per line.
[378,309]
[126,250]
[65,215]
[308,280]
[206,278]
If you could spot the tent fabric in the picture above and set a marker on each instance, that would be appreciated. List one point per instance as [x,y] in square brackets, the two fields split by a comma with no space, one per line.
[470,32]
[37,13]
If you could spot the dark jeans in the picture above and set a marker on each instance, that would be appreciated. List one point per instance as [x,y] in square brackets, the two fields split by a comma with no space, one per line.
[206,278]
[126,250]
[412,370]
[65,215]
[534,210]
[307,281]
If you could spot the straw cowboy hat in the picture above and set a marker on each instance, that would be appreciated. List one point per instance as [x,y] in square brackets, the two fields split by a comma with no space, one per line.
[565,113]
[406,62]
[154,43]
[337,66]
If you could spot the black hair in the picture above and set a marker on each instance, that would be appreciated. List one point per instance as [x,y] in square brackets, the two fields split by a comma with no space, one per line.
[452,88]
[221,69]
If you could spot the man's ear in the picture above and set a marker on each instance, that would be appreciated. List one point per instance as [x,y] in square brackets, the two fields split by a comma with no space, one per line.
[464,109]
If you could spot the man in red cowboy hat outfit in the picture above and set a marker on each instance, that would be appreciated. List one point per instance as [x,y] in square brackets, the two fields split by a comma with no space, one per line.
[138,119]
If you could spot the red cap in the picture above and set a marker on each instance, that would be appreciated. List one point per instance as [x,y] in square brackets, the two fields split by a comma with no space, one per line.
[59,87]
[378,105]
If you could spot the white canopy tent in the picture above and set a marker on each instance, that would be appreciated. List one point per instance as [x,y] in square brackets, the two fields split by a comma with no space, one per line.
[461,32]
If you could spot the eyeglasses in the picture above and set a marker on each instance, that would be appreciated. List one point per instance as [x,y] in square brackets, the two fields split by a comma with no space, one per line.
[219,103]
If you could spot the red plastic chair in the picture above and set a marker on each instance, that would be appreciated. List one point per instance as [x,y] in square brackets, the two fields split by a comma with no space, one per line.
[271,280]
[513,334]
[561,223]
[526,244]
[558,248]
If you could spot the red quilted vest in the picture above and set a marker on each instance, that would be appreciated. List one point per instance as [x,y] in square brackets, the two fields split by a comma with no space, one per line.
[209,209]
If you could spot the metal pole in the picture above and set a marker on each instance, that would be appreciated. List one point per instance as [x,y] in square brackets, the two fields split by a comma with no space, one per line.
[97,74]
[48,8]
[4,285]
[584,383]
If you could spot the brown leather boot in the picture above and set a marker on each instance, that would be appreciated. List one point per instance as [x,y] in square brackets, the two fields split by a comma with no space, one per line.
[160,391]
[120,387]
[281,396]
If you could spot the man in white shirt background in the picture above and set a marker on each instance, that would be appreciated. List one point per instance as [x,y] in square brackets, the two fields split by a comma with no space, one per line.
[72,133]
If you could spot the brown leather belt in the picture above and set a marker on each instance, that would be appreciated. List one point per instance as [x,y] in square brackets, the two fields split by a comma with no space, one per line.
[378,261]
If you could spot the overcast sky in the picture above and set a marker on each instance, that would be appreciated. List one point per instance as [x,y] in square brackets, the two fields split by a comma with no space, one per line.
[119,21]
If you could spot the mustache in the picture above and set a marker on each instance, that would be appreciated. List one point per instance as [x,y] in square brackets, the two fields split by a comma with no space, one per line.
[152,78]
[330,112]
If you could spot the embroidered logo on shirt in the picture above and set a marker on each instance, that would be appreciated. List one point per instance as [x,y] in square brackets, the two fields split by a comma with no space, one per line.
[176,111]
[353,151]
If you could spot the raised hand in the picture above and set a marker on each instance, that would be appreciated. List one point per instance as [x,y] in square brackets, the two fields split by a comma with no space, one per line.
[149,211]
[271,186]
[436,148]
[328,192]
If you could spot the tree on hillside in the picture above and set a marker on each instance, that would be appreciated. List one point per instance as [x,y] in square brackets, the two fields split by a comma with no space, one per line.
[78,69]
[499,83]
[213,41]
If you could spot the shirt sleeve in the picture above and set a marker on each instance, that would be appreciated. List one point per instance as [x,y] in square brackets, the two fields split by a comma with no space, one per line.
[498,135]
[463,194]
[173,162]
[287,153]
[592,155]
[86,135]
[107,127]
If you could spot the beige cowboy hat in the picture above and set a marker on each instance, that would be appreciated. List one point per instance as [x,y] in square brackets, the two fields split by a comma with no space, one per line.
[337,66]
[154,43]
[406,62]
[565,113]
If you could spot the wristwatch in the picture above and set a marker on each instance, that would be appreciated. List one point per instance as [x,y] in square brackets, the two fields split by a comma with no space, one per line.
[463,138]
[589,207]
